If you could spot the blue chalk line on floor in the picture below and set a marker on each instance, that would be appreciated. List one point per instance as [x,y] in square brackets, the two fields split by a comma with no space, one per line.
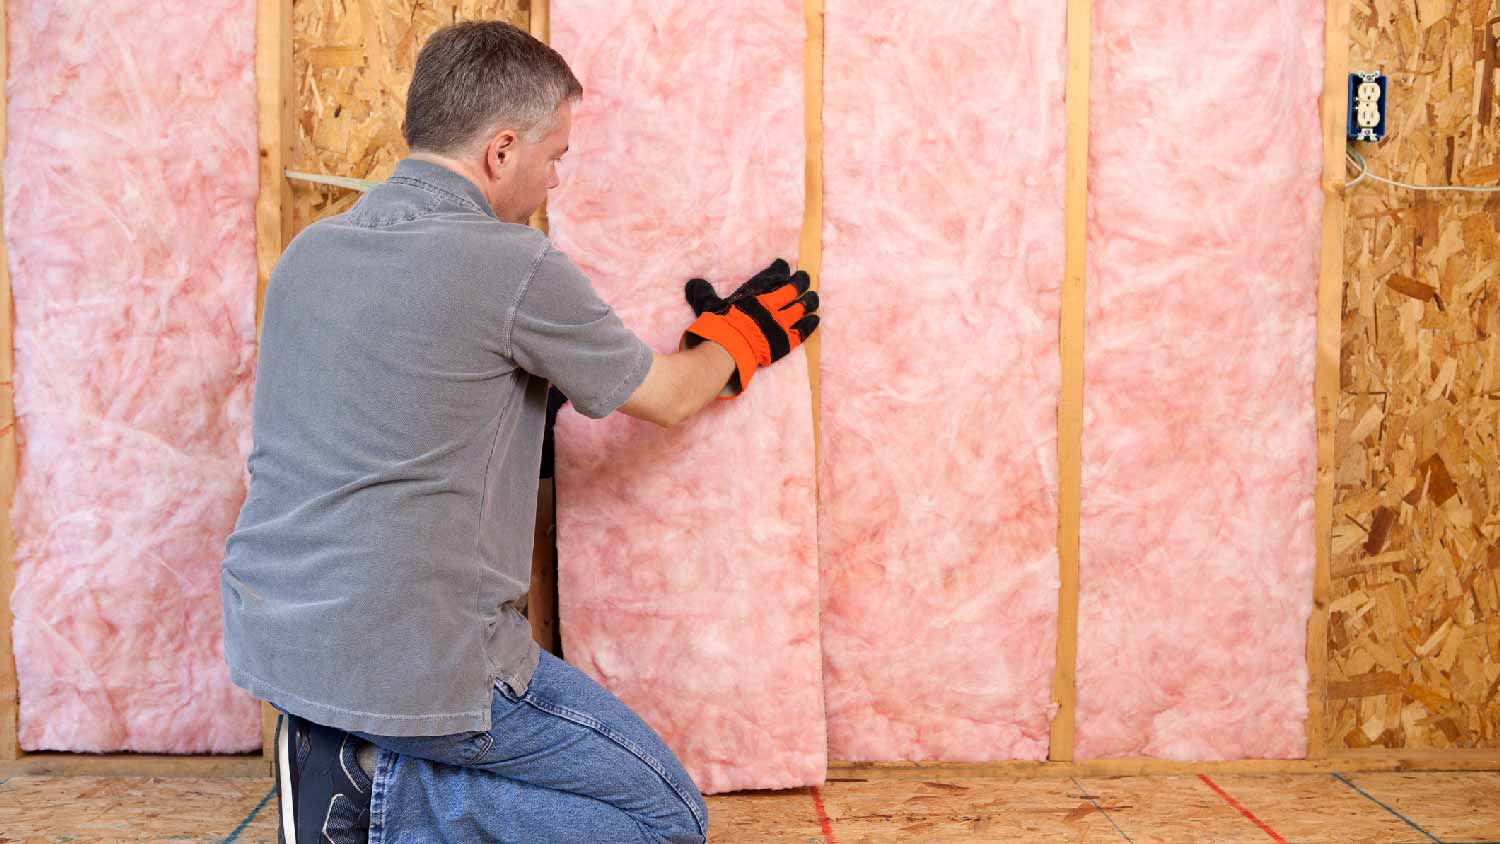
[1100,809]
[250,817]
[1404,819]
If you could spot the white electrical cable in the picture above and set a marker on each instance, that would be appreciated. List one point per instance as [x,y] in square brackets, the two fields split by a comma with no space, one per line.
[1364,172]
[336,181]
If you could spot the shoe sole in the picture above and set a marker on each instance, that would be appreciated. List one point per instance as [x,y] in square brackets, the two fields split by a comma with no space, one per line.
[284,781]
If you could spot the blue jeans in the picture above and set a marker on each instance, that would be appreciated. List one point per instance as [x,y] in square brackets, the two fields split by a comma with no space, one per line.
[565,762]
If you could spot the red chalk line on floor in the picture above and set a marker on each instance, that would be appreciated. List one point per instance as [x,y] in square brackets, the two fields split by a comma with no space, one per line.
[1246,812]
[817,797]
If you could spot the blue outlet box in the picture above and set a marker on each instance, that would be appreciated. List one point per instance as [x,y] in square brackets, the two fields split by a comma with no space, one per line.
[1367,106]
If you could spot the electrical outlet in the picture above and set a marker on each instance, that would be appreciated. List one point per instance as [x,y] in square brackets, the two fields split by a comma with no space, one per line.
[1367,106]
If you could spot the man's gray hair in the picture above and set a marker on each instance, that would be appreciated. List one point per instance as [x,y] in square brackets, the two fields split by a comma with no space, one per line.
[480,76]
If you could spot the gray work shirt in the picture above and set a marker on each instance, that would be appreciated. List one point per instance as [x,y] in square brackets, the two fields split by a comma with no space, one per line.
[373,578]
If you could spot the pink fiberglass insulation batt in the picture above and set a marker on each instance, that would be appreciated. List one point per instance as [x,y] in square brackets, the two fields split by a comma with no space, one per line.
[687,558]
[1199,441]
[944,134]
[130,183]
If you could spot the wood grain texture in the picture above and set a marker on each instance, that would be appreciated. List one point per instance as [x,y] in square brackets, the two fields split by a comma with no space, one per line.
[810,244]
[1326,376]
[1070,400]
[1414,613]
[134,765]
[1343,762]
[273,97]
[273,221]
[539,24]
[95,810]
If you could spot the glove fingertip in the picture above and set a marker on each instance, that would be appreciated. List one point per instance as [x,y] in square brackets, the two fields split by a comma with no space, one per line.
[770,278]
[806,326]
[700,295]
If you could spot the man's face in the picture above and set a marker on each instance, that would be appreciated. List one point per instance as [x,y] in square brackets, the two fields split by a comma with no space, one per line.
[522,187]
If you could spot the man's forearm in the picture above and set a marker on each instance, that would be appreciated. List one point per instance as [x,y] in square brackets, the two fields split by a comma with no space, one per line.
[681,384]
[708,372]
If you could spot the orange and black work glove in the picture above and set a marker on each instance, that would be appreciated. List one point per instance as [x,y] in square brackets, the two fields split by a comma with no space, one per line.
[701,296]
[759,323]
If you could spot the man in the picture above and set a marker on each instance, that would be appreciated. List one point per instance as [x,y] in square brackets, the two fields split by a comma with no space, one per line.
[372,583]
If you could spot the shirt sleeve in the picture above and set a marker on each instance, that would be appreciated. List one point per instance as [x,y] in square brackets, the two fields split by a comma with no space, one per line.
[562,331]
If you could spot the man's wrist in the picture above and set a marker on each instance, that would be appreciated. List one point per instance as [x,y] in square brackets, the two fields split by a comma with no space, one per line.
[730,342]
[718,360]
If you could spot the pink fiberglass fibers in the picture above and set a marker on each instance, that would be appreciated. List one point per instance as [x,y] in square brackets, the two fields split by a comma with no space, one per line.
[944,134]
[129,214]
[1199,438]
[687,558]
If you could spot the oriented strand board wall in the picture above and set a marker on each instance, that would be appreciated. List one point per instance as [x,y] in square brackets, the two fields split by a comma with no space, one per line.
[352,60]
[1414,628]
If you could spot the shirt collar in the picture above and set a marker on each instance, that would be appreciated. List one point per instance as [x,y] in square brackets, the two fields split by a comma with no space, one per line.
[441,178]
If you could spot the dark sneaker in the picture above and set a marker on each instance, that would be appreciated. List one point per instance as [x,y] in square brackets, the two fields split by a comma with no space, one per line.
[323,793]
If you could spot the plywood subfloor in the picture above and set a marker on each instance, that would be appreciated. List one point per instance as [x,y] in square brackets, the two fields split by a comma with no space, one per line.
[1430,808]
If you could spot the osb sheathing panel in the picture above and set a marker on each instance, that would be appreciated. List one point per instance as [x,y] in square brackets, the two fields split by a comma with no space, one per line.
[1414,629]
[352,61]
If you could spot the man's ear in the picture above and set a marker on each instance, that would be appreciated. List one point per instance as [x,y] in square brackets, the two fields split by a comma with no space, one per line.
[500,152]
